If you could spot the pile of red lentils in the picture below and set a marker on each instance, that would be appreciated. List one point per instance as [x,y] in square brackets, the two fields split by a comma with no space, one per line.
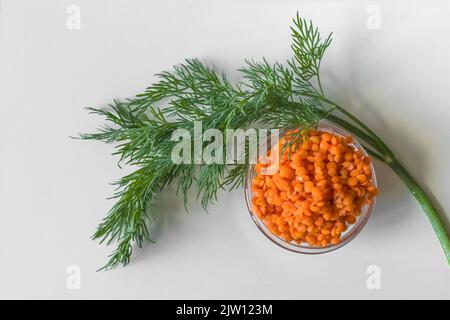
[318,190]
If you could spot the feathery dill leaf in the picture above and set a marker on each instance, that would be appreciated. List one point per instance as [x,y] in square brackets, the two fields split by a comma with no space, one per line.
[193,92]
[269,94]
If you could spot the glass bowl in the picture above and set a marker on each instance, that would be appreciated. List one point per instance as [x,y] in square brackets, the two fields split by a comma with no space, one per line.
[352,230]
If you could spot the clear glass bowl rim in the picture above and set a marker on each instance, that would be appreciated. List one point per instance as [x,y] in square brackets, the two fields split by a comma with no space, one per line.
[351,232]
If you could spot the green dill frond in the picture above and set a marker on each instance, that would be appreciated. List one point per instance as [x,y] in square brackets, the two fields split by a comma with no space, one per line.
[270,94]
[308,47]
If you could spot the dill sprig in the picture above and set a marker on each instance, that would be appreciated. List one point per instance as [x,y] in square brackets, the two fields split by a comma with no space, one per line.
[270,94]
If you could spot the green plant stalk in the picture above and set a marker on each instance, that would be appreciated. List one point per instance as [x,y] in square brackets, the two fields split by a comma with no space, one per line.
[379,150]
[433,215]
[437,222]
[381,146]
[385,154]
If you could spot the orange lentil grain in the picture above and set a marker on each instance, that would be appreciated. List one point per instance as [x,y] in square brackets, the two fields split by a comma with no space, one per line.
[317,192]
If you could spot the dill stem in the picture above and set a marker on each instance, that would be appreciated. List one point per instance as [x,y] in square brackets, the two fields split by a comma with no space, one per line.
[436,220]
[378,143]
[381,146]
[319,82]
[356,131]
[432,213]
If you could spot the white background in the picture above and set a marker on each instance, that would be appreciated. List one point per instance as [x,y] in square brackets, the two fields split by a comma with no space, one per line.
[53,189]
